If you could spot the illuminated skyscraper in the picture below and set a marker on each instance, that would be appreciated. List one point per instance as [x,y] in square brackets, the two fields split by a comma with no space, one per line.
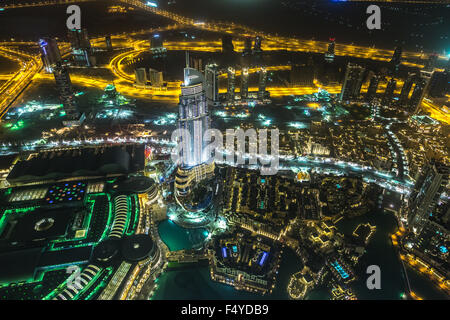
[65,90]
[156,42]
[329,55]
[353,80]
[389,92]
[257,48]
[212,84]
[197,63]
[231,85]
[429,198]
[194,117]
[108,43]
[157,46]
[406,89]
[49,53]
[262,83]
[81,46]
[397,57]
[244,84]
[51,58]
[155,77]
[372,89]
[419,91]
[195,164]
[140,76]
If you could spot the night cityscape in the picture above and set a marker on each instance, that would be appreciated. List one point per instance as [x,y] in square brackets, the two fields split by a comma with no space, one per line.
[199,150]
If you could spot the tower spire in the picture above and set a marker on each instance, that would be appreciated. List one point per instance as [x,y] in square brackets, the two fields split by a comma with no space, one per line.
[187,58]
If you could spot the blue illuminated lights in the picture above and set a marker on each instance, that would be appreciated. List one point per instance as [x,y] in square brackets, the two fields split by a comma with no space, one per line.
[340,270]
[263,258]
[152,4]
[443,249]
[224,252]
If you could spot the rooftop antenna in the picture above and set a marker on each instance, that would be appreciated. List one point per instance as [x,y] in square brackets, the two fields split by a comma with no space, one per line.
[187,58]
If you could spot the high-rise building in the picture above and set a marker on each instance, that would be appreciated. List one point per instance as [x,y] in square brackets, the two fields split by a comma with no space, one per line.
[231,85]
[389,92]
[429,198]
[329,55]
[51,58]
[397,57]
[258,44]
[157,46]
[431,62]
[262,83]
[49,53]
[372,89]
[248,42]
[156,42]
[439,84]
[108,43]
[244,84]
[81,47]
[155,77]
[197,63]
[419,91]
[406,89]
[212,84]
[79,39]
[140,76]
[195,164]
[64,85]
[194,118]
[227,44]
[354,76]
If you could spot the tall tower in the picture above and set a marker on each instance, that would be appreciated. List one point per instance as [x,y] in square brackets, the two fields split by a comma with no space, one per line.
[212,84]
[372,89]
[262,83]
[108,43]
[193,117]
[389,92]
[258,44]
[51,58]
[430,195]
[244,84]
[64,85]
[397,57]
[231,85]
[352,82]
[49,53]
[196,166]
[81,46]
[419,91]
[329,55]
[140,76]
[406,89]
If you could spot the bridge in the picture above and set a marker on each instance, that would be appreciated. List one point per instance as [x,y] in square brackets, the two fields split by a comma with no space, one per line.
[186,256]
